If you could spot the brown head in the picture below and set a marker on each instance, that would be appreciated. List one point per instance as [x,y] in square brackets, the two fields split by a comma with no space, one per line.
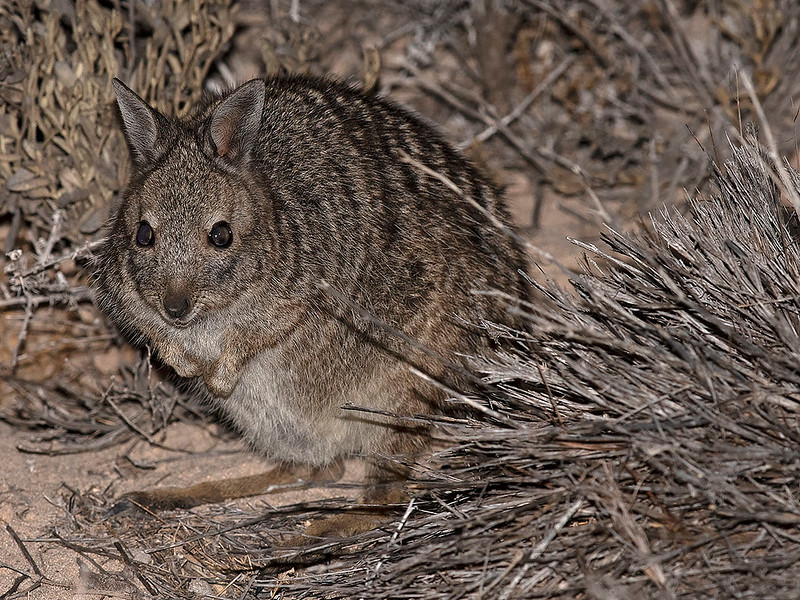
[180,241]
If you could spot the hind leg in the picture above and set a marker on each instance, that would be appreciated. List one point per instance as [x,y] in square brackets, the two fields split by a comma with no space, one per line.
[219,490]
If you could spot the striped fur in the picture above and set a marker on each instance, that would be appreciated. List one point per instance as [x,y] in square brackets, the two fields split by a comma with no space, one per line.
[319,188]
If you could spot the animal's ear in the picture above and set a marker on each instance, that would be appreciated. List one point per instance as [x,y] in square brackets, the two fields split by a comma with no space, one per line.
[143,126]
[236,123]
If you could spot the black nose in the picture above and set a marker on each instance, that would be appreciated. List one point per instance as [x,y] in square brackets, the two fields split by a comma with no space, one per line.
[177,305]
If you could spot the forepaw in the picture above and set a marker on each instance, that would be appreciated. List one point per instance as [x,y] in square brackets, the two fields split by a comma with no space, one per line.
[180,362]
[221,380]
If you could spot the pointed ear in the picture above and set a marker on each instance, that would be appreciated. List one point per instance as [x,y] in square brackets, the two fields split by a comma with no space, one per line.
[143,125]
[236,122]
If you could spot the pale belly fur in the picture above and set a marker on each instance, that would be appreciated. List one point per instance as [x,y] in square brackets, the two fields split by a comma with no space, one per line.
[277,419]
[288,426]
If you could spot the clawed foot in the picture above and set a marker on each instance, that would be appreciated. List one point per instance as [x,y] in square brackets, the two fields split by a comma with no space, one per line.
[219,490]
[326,536]
[153,501]
[336,526]
[384,504]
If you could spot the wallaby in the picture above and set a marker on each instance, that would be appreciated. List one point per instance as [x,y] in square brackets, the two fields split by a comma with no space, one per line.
[295,246]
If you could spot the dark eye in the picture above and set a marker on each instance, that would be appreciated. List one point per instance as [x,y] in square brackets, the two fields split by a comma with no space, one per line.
[220,235]
[144,235]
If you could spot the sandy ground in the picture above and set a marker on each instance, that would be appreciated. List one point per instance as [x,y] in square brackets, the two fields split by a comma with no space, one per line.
[35,490]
